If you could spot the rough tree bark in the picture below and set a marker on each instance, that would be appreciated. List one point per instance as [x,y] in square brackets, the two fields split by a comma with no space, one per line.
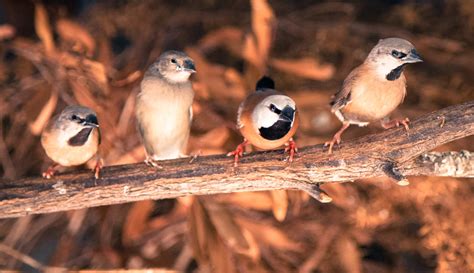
[394,153]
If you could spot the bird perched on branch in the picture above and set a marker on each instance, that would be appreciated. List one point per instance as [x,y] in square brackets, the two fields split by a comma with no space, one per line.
[267,119]
[164,106]
[375,88]
[72,138]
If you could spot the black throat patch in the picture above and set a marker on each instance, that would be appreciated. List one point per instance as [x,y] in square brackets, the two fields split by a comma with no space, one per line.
[278,130]
[80,138]
[395,74]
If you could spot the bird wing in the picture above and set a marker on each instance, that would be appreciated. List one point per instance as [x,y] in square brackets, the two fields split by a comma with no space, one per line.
[239,115]
[190,114]
[343,96]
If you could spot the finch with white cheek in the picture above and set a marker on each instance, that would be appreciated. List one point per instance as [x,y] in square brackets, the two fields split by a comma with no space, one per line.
[267,119]
[164,107]
[373,90]
[72,138]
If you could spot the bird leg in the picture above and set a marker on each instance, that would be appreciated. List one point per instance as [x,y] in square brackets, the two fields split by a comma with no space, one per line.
[291,148]
[49,173]
[98,166]
[336,139]
[387,124]
[238,152]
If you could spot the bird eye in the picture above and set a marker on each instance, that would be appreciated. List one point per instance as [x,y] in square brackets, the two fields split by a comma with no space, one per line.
[398,54]
[75,118]
[272,107]
[173,61]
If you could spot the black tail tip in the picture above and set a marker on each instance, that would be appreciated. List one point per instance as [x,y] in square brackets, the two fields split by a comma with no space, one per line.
[265,82]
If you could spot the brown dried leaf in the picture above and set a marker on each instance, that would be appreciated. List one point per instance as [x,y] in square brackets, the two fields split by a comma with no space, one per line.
[98,73]
[82,94]
[305,68]
[218,81]
[209,250]
[73,32]
[229,37]
[43,27]
[349,256]
[136,221]
[36,127]
[257,44]
[263,22]
[250,52]
[199,227]
[132,77]
[230,232]
[92,71]
[279,204]
[177,214]
[268,234]
[250,200]
[6,32]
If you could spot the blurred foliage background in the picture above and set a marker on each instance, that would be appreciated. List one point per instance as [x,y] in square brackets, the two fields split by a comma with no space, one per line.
[57,53]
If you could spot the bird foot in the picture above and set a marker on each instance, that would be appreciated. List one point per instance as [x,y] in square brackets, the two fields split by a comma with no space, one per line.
[49,173]
[396,123]
[98,166]
[194,156]
[291,149]
[152,163]
[238,152]
[336,139]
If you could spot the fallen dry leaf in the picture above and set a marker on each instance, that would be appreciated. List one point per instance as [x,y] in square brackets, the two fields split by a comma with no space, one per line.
[228,37]
[43,27]
[251,200]
[98,72]
[209,250]
[305,67]
[268,234]
[220,82]
[73,32]
[230,232]
[279,204]
[37,126]
[136,221]
[6,32]
[257,44]
[350,256]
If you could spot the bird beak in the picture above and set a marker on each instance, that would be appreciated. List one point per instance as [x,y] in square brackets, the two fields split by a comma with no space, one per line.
[413,57]
[188,66]
[91,121]
[287,114]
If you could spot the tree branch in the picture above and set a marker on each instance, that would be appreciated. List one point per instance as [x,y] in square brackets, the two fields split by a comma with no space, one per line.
[394,153]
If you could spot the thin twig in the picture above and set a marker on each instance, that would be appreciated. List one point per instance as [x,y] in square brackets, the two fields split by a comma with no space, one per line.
[21,257]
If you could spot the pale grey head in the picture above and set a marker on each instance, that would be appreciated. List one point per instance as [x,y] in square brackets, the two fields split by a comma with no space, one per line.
[75,118]
[173,66]
[390,55]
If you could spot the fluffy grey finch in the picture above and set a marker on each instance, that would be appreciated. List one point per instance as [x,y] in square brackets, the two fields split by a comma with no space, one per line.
[72,138]
[164,106]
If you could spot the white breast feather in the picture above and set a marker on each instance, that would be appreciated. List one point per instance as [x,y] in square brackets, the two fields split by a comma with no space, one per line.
[263,117]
